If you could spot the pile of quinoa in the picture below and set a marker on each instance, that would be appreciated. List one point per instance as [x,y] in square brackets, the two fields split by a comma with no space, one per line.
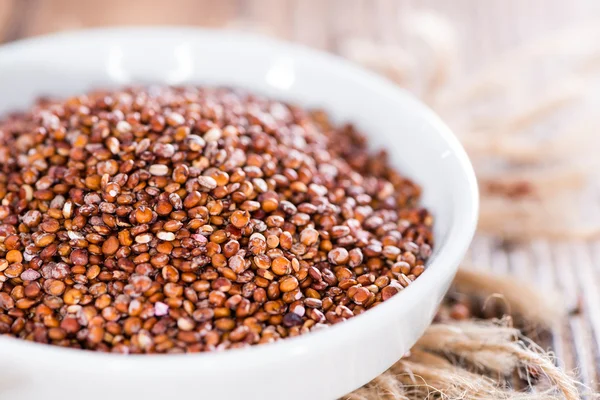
[168,220]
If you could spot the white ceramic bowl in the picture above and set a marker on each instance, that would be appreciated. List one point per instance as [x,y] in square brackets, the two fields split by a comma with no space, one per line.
[321,365]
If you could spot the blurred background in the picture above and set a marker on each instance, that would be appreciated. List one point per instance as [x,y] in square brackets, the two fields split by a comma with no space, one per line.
[484,27]
[515,79]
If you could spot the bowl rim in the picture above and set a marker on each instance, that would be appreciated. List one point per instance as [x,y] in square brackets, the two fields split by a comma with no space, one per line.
[450,254]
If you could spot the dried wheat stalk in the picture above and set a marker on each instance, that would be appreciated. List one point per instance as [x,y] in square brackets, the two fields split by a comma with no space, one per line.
[529,180]
[498,114]
[480,359]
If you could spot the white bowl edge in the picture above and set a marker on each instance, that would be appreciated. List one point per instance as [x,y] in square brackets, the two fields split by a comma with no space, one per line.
[19,59]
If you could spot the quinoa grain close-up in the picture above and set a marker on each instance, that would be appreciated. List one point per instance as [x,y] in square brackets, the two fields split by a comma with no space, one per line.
[168,220]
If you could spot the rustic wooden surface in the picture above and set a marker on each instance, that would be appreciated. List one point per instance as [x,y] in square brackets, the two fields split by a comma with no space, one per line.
[484,29]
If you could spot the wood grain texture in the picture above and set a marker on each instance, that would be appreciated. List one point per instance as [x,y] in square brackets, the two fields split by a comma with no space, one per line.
[5,12]
[484,29]
[57,15]
[12,15]
[568,269]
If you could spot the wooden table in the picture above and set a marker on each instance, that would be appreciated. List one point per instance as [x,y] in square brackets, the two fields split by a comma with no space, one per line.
[484,29]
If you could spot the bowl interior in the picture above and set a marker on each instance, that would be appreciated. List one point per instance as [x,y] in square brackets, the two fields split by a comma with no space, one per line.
[418,143]
[420,146]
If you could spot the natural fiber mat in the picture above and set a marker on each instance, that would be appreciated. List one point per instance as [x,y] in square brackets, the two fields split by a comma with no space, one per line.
[529,124]
[481,346]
